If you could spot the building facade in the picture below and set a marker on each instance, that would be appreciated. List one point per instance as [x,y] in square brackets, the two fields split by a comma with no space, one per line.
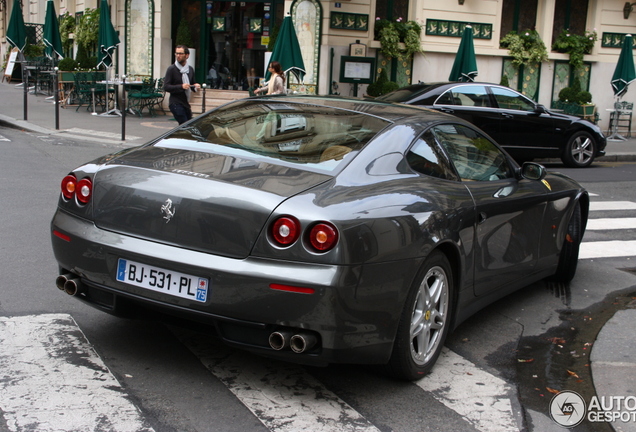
[230,39]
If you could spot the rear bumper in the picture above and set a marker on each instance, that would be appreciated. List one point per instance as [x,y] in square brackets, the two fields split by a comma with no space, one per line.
[353,312]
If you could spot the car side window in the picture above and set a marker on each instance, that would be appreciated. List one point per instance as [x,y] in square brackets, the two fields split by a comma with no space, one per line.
[508,99]
[474,156]
[470,95]
[426,157]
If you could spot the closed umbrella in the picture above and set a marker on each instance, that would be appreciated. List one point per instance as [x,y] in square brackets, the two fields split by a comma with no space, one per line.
[52,40]
[624,73]
[287,51]
[465,66]
[107,39]
[16,30]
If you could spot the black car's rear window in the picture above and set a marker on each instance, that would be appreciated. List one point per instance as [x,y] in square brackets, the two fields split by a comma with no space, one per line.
[318,135]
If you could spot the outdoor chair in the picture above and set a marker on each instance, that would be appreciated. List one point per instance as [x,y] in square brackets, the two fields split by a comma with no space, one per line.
[142,97]
[621,118]
[159,95]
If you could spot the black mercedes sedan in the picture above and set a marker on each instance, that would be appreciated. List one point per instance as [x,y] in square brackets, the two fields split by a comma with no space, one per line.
[316,230]
[524,128]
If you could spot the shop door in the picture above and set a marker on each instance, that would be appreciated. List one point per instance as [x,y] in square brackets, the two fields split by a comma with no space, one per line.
[237,35]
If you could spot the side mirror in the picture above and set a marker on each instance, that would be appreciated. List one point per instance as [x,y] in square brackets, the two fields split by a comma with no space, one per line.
[533,171]
[540,109]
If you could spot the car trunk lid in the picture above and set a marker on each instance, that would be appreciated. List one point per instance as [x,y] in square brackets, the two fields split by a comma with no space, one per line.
[201,201]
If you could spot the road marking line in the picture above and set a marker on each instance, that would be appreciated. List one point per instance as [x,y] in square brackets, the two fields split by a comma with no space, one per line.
[612,205]
[284,397]
[2,138]
[611,223]
[607,249]
[53,380]
[478,396]
[100,134]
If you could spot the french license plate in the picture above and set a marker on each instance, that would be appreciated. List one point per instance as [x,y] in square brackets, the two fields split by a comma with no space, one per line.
[157,279]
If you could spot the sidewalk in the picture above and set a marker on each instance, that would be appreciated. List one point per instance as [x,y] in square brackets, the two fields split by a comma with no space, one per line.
[613,357]
[80,124]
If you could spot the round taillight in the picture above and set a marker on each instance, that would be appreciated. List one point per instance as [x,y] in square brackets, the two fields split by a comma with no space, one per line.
[84,191]
[286,230]
[69,184]
[323,236]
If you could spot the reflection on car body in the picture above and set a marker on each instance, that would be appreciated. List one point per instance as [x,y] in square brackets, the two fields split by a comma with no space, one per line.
[316,230]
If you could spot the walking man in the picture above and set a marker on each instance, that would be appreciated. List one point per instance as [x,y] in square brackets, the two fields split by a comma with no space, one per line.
[179,82]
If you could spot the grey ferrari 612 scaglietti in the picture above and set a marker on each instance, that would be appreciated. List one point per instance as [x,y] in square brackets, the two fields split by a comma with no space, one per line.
[316,230]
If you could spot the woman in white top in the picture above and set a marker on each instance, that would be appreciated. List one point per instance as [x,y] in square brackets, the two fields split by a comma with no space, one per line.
[276,84]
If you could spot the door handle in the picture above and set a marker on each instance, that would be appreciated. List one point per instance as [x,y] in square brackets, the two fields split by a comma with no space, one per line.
[481,218]
[506,115]
[447,110]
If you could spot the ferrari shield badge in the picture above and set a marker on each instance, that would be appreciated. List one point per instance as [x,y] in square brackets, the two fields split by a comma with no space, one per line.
[168,210]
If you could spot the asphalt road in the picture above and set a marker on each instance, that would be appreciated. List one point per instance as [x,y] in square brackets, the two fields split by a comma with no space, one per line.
[181,379]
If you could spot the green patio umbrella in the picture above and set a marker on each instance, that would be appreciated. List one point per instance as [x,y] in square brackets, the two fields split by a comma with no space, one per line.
[287,51]
[16,31]
[52,40]
[107,39]
[465,66]
[624,73]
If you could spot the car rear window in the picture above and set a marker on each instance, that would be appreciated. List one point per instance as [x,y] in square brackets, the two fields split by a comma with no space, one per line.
[313,135]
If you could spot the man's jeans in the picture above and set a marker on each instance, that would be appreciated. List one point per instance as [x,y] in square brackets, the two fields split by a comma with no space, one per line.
[181,113]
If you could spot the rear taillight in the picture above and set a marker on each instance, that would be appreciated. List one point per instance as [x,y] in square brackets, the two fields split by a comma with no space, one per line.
[323,236]
[69,184]
[82,190]
[285,230]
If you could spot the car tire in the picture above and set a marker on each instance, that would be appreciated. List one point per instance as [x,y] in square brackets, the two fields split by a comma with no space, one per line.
[425,321]
[569,256]
[580,150]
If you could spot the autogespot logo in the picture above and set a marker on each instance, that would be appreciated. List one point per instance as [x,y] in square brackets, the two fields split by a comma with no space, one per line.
[567,408]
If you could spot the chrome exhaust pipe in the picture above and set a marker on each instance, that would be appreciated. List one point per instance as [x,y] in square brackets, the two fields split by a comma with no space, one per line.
[62,279]
[279,340]
[302,342]
[73,287]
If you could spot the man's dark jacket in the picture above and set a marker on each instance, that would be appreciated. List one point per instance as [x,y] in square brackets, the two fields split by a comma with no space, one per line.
[172,84]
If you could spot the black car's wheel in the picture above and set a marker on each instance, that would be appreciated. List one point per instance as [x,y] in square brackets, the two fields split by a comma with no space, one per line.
[424,322]
[580,150]
[569,257]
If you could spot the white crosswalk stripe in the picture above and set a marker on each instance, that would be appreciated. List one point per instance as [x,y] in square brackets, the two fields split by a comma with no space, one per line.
[609,248]
[52,380]
[3,138]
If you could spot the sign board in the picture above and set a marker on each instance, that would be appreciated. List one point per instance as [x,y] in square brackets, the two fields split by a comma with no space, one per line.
[357,70]
[13,56]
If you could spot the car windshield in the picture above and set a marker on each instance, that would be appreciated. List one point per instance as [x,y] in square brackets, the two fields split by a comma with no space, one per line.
[405,93]
[317,136]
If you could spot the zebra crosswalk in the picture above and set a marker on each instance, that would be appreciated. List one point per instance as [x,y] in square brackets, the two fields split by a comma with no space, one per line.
[599,222]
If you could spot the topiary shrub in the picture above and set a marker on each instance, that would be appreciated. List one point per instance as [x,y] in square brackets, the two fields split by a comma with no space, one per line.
[382,85]
[67,64]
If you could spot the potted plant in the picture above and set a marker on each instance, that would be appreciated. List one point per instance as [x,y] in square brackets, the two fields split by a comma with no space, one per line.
[67,31]
[573,100]
[87,30]
[382,85]
[393,33]
[525,48]
[575,45]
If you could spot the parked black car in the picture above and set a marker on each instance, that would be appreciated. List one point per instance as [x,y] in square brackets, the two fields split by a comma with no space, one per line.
[524,128]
